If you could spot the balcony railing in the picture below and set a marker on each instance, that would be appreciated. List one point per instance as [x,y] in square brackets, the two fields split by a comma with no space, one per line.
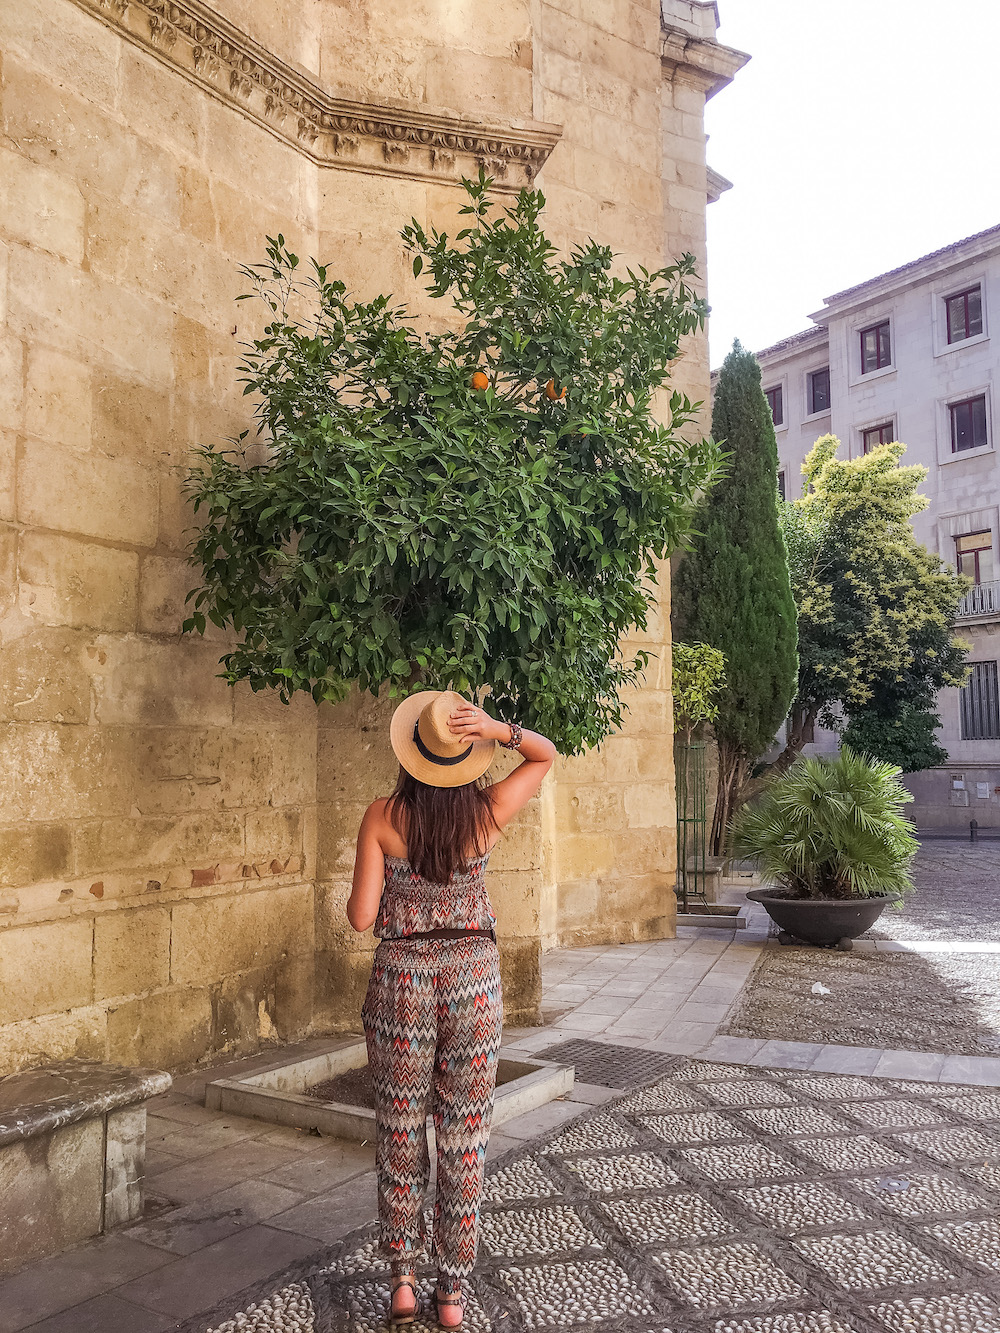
[982,600]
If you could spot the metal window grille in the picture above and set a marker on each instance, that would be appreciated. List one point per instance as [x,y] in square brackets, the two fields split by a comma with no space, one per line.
[981,704]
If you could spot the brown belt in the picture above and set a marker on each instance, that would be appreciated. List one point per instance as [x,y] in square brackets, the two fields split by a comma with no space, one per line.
[447,934]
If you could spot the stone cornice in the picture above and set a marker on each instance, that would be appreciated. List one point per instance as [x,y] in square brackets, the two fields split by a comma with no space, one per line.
[710,66]
[391,139]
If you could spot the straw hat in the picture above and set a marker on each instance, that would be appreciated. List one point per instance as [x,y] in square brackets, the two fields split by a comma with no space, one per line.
[428,750]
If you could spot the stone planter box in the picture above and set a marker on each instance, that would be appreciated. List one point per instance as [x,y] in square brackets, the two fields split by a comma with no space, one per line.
[278,1094]
[72,1155]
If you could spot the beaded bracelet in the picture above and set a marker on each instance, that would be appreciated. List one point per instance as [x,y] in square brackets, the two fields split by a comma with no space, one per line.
[516,737]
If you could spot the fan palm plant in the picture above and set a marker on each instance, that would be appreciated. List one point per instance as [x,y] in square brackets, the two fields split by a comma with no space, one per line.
[831,828]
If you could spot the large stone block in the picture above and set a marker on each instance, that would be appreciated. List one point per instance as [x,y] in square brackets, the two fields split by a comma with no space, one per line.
[54,772]
[48,118]
[274,834]
[11,380]
[130,418]
[77,1034]
[57,405]
[136,843]
[516,898]
[111,498]
[32,852]
[8,571]
[521,976]
[124,1166]
[650,805]
[44,677]
[8,467]
[45,968]
[77,51]
[337,836]
[341,982]
[214,937]
[84,314]
[150,681]
[52,1189]
[41,207]
[169,1030]
[131,951]
[64,581]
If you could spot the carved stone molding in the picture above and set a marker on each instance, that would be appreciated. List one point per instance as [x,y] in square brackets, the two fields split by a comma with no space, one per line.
[395,140]
[707,65]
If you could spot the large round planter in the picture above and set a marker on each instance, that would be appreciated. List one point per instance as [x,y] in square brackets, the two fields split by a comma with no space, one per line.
[824,921]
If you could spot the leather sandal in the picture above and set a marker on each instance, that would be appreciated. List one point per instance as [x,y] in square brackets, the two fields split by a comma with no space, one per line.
[456,1299]
[401,1320]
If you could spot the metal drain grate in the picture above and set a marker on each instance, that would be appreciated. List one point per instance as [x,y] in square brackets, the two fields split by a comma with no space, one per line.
[610,1066]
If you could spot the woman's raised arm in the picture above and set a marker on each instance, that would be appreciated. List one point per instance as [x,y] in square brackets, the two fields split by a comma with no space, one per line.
[538,754]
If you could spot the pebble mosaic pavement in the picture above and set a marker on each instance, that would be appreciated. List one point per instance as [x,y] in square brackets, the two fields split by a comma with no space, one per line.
[716,1199]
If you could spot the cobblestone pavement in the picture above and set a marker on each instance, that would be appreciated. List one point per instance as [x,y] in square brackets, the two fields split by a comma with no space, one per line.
[957,895]
[939,992]
[719,1199]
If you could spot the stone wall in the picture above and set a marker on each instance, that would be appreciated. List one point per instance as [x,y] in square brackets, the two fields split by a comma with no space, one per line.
[175,855]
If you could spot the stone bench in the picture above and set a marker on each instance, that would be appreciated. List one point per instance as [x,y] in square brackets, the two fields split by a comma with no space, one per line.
[72,1154]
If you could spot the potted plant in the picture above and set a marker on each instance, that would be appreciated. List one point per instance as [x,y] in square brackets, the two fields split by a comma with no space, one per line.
[831,837]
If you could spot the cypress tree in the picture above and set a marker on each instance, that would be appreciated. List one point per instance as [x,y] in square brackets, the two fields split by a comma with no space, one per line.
[732,590]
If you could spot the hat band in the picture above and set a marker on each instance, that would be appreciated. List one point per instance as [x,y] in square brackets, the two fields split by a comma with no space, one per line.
[436,758]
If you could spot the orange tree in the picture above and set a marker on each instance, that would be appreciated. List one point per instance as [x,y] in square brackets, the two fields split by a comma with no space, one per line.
[479,507]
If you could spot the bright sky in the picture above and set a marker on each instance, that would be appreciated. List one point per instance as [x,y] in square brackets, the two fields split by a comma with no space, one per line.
[862,134]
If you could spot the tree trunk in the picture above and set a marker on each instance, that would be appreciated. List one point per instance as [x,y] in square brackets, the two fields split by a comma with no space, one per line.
[732,775]
[799,721]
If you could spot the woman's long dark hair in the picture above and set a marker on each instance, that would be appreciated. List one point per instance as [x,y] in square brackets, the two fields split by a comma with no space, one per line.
[444,828]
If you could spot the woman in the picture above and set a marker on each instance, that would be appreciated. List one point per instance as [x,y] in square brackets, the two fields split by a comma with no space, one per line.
[433,1012]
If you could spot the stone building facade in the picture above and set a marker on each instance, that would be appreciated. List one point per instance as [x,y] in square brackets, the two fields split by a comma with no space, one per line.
[911,355]
[174,854]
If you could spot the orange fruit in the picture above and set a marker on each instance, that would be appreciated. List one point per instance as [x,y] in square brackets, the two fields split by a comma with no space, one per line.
[552,392]
[480,381]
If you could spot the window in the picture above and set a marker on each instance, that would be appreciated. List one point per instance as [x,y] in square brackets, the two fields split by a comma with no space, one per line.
[876,350]
[975,556]
[876,435]
[965,314]
[980,704]
[968,424]
[776,404]
[781,485]
[819,390]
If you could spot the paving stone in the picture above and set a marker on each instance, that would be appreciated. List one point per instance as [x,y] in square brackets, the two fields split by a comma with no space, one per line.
[954,1144]
[629,1171]
[521,1179]
[870,1260]
[972,1313]
[600,1132]
[742,1162]
[674,1218]
[896,1114]
[702,1127]
[721,1275]
[790,1208]
[197,1282]
[524,1233]
[972,1105]
[330,1216]
[184,1230]
[561,1294]
[818,1321]
[105,1314]
[923,1194]
[978,1242]
[854,1153]
[847,1059]
[846,1088]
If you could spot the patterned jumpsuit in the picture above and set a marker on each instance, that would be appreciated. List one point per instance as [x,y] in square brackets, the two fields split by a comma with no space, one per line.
[432,1016]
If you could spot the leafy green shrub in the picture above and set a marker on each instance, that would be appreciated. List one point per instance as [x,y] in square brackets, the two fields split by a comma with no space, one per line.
[831,828]
[482,506]
[698,674]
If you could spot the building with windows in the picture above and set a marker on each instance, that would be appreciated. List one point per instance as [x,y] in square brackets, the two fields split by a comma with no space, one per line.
[909,356]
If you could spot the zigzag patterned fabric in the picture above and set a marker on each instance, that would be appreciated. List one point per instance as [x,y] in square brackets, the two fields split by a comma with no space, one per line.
[433,1017]
[411,904]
